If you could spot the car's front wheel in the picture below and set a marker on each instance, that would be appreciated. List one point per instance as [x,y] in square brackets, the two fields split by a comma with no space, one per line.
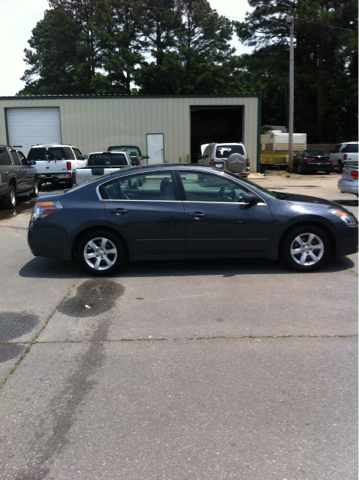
[306,248]
[100,253]
[340,166]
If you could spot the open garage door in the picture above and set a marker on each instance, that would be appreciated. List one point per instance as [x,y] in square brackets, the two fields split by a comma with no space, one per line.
[30,126]
[215,124]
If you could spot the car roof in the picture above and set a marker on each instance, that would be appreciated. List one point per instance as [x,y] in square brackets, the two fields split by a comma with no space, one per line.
[52,145]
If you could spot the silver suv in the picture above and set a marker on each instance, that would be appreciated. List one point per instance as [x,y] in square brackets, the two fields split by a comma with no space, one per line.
[232,157]
[344,152]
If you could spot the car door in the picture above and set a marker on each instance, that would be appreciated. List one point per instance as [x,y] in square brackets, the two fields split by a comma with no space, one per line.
[20,172]
[217,218]
[147,210]
[29,170]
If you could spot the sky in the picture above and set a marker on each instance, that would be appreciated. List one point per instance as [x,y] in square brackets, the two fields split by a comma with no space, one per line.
[19,17]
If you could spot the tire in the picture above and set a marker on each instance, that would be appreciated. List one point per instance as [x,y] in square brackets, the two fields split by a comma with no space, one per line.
[340,166]
[236,163]
[69,184]
[9,201]
[327,172]
[100,253]
[35,189]
[306,248]
[299,169]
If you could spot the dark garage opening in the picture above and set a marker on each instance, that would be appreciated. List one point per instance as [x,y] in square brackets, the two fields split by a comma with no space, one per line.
[215,124]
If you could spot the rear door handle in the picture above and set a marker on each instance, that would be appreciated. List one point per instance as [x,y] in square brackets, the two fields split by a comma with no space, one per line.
[119,211]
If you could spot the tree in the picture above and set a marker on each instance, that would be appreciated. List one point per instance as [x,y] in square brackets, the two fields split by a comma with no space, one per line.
[325,63]
[203,47]
[162,73]
[53,56]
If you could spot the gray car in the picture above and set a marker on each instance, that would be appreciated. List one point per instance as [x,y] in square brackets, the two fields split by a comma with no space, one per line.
[349,181]
[17,176]
[231,157]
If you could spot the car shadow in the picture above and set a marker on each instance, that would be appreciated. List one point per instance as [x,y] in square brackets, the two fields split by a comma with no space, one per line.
[41,267]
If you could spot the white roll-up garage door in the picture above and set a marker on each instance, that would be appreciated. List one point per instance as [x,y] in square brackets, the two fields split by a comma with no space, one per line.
[31,126]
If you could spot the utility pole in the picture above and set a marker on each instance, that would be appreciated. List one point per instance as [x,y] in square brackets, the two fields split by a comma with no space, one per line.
[290,22]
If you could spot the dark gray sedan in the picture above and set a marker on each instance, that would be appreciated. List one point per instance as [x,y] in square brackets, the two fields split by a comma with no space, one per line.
[182,212]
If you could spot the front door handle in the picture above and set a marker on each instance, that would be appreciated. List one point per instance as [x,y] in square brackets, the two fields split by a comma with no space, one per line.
[119,211]
[196,214]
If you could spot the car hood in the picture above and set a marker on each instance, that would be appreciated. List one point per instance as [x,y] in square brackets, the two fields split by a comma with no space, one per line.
[308,201]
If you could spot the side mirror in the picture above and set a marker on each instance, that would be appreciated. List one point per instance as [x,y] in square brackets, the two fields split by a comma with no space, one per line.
[86,157]
[250,199]
[32,162]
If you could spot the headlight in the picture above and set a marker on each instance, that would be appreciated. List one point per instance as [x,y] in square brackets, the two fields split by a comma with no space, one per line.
[348,219]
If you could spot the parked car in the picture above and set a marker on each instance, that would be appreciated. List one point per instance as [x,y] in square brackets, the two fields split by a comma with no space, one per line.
[349,181]
[134,151]
[344,152]
[231,157]
[100,163]
[55,163]
[185,212]
[312,161]
[17,176]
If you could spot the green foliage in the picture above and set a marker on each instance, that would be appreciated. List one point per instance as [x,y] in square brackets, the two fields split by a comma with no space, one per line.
[53,57]
[326,59]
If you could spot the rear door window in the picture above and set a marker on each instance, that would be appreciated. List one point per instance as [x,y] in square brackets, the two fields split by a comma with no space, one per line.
[224,151]
[70,154]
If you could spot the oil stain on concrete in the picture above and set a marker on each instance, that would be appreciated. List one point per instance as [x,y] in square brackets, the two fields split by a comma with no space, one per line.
[101,295]
[93,297]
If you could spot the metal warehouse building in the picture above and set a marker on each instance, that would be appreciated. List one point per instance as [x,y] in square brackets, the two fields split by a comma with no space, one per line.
[169,129]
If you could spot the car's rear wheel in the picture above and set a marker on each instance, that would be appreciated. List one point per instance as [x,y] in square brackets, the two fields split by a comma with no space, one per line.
[306,248]
[9,201]
[340,166]
[100,253]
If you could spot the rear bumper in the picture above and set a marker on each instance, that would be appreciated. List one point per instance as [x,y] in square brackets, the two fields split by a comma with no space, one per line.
[55,177]
[317,167]
[346,186]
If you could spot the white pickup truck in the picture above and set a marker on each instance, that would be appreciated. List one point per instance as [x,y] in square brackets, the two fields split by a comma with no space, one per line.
[55,163]
[100,163]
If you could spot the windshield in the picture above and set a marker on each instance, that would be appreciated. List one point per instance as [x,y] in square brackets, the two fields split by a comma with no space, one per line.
[47,153]
[316,152]
[255,185]
[132,150]
[106,159]
[224,151]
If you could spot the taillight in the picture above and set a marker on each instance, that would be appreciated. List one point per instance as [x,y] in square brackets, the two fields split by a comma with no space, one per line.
[247,162]
[345,156]
[68,165]
[73,176]
[330,160]
[44,209]
[138,161]
[212,162]
[307,160]
[354,174]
